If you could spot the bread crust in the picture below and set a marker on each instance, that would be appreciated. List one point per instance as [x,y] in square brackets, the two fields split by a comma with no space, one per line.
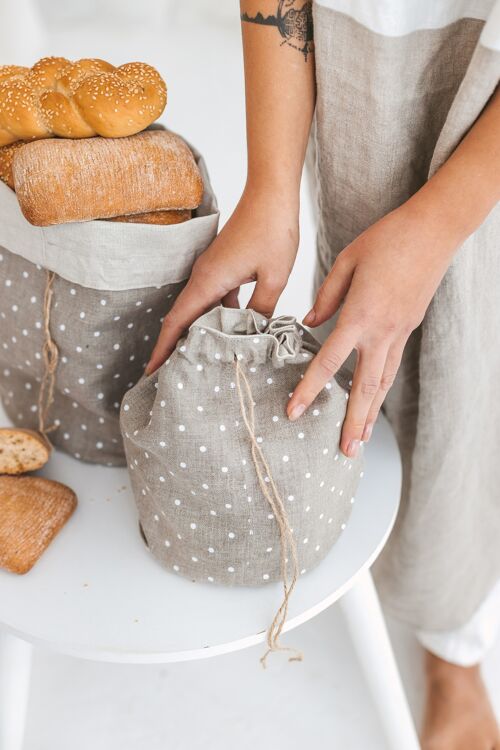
[32,511]
[89,97]
[59,181]
[6,159]
[162,218]
[22,450]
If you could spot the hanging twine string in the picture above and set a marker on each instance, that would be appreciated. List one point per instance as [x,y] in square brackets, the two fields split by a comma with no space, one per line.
[270,492]
[50,354]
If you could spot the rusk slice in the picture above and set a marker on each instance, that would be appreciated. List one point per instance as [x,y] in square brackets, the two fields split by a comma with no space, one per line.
[32,511]
[22,450]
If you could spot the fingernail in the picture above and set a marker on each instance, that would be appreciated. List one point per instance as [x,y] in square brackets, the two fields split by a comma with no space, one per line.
[296,412]
[310,317]
[148,369]
[367,432]
[352,448]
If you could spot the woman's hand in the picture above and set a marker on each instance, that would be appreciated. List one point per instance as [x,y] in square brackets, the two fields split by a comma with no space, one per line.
[258,243]
[386,279]
[389,274]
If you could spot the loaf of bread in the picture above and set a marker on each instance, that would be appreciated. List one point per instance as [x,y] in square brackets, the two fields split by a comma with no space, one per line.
[22,450]
[78,100]
[59,181]
[32,511]
[155,217]
[6,159]
[162,218]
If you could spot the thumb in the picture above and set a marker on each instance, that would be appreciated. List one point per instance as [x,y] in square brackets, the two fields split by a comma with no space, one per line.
[331,293]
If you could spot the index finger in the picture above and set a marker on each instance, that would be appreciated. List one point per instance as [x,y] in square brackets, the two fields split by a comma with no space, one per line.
[325,364]
[192,302]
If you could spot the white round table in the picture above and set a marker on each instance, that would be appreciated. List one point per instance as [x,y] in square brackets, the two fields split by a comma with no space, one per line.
[97,593]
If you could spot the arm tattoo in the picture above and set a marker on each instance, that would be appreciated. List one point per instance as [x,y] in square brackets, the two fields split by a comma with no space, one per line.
[295,24]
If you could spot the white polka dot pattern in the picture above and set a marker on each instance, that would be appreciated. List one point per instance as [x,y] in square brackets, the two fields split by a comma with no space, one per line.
[100,355]
[203,487]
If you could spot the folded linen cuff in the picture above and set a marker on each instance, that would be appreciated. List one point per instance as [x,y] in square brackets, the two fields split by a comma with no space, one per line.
[469,644]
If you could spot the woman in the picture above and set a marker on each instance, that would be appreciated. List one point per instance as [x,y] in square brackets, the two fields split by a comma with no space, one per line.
[407,129]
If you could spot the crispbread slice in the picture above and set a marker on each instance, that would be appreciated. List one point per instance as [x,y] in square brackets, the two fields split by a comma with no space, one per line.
[32,511]
[22,450]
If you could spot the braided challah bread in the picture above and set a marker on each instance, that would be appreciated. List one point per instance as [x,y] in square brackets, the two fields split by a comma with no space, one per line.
[78,100]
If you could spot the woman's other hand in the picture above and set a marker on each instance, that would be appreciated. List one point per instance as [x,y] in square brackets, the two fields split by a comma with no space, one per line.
[259,243]
[385,279]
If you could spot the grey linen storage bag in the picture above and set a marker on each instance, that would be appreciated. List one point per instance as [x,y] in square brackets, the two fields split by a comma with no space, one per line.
[80,308]
[228,489]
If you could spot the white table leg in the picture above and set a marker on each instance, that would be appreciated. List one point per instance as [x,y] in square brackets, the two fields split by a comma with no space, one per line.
[15,670]
[365,621]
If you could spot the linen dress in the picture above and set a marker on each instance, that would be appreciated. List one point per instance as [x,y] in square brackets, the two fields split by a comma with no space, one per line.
[399,83]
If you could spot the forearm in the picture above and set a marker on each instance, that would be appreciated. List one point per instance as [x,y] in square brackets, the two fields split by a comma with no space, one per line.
[280,92]
[466,188]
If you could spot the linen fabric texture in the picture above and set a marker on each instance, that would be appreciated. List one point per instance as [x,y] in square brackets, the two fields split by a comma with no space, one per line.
[113,284]
[421,92]
[201,507]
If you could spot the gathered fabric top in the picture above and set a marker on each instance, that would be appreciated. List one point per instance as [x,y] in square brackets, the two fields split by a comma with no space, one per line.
[227,335]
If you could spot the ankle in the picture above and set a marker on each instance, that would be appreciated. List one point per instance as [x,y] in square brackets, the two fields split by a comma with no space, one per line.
[439,669]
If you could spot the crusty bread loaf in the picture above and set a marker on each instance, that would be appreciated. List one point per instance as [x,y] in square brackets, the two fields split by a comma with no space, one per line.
[6,159]
[22,450]
[78,100]
[155,217]
[163,218]
[59,181]
[32,511]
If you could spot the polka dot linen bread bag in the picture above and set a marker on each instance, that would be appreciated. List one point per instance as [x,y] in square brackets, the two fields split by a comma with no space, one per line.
[81,305]
[228,489]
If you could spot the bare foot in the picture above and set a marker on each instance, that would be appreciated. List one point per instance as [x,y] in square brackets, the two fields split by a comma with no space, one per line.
[458,713]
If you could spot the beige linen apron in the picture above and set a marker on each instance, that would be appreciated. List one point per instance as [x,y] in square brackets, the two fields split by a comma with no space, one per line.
[393,102]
